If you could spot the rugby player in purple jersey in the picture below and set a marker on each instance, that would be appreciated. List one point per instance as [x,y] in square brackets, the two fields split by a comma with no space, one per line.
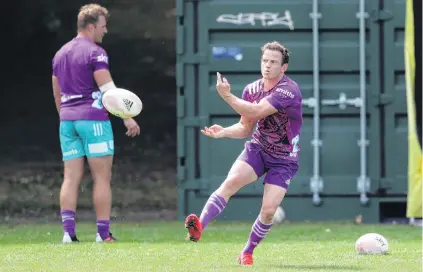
[80,76]
[274,105]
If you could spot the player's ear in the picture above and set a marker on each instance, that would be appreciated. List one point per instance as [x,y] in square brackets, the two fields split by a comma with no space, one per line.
[284,67]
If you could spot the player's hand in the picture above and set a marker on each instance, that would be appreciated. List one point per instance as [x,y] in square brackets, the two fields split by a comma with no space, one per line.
[132,126]
[222,86]
[214,131]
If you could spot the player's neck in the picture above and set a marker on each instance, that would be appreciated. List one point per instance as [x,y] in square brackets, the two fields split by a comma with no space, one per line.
[268,84]
[82,34]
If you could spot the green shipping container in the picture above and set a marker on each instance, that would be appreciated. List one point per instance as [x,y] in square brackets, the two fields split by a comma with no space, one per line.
[347,57]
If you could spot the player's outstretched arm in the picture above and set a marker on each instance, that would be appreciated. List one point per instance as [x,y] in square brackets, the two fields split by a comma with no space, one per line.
[241,130]
[56,92]
[249,110]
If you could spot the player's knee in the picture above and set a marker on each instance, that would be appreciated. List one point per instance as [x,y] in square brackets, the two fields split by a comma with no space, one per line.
[230,186]
[267,212]
[73,170]
[101,169]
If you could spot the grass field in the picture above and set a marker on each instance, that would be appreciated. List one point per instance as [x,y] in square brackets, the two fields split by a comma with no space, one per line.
[161,246]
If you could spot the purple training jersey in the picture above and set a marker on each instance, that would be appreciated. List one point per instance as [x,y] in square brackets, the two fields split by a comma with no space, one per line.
[74,66]
[279,133]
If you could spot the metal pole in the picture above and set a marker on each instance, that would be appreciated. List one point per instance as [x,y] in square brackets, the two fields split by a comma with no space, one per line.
[363,182]
[316,183]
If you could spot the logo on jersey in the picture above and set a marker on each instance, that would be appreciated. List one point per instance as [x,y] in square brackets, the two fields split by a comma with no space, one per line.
[286,93]
[253,87]
[66,98]
[103,58]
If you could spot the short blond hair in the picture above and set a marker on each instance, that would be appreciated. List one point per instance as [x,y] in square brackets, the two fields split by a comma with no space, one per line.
[89,14]
[275,46]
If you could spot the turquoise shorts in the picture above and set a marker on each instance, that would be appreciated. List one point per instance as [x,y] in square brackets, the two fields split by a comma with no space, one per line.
[86,138]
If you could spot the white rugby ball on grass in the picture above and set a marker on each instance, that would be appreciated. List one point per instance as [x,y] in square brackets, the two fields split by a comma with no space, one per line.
[122,103]
[279,215]
[372,243]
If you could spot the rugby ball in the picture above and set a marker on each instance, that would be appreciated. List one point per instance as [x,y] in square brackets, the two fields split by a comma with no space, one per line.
[122,103]
[371,243]
[279,215]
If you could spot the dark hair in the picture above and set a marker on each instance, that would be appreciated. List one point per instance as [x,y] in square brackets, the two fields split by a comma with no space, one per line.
[275,46]
[89,14]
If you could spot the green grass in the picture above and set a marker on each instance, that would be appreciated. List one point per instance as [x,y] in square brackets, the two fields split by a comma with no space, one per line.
[161,246]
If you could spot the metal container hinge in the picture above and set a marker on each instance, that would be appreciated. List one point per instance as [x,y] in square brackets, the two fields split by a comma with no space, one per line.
[343,101]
